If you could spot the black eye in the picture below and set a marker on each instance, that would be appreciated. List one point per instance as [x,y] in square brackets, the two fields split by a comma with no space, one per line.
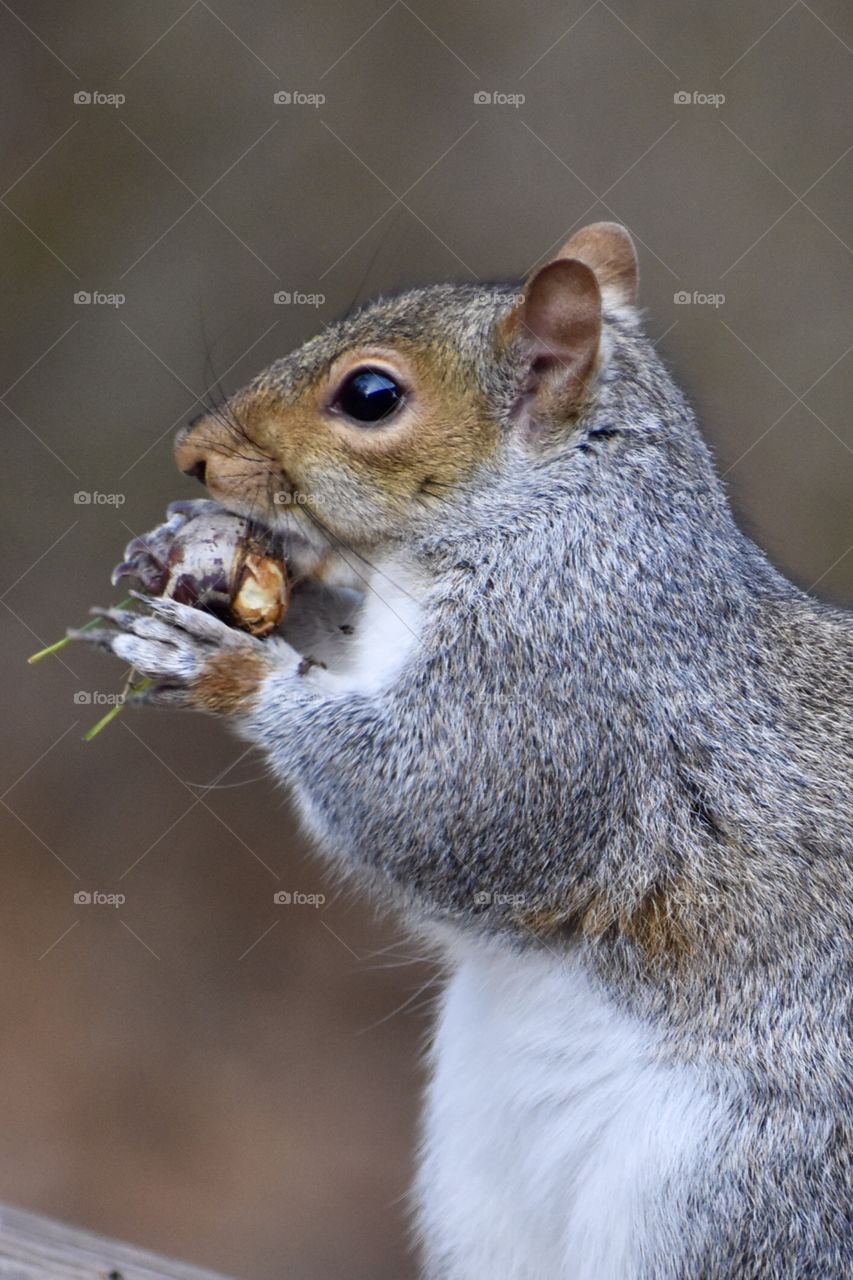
[369,395]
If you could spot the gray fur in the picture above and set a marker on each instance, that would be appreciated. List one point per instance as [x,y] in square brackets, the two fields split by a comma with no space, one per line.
[616,696]
[625,724]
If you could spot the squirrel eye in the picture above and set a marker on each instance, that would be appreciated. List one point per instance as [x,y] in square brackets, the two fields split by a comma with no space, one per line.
[368,395]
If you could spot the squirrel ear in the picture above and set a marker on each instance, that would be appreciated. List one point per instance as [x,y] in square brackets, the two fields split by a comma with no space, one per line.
[608,249]
[557,326]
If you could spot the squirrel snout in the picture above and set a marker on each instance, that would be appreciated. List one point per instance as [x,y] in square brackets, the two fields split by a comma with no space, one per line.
[191,459]
[230,468]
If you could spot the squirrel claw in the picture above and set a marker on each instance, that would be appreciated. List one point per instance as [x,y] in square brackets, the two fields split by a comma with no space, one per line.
[101,639]
[145,560]
[146,557]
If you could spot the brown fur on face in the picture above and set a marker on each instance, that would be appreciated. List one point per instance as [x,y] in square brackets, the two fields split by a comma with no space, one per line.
[216,449]
[360,482]
[280,451]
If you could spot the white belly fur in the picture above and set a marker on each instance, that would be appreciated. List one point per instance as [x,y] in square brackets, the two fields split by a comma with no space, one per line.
[551,1128]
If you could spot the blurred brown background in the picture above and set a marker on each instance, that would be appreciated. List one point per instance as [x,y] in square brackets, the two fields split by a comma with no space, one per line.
[199,1069]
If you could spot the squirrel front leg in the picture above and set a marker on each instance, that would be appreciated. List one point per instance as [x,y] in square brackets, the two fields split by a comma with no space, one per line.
[369,777]
[383,780]
[455,794]
[399,785]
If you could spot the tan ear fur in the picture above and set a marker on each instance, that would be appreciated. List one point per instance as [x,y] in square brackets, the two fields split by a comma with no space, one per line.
[607,248]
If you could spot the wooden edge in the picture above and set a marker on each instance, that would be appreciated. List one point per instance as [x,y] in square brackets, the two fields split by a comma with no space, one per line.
[37,1248]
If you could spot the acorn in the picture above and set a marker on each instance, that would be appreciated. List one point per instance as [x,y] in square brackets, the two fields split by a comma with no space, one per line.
[213,560]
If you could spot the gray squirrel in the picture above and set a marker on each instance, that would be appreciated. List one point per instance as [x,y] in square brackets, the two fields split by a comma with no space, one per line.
[539,691]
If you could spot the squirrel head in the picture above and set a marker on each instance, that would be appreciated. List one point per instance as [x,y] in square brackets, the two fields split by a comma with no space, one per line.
[369,429]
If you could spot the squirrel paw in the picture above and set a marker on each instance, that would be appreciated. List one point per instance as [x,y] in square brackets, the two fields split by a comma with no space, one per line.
[147,556]
[192,658]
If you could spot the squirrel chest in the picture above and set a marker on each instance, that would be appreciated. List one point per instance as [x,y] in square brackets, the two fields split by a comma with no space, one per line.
[552,1130]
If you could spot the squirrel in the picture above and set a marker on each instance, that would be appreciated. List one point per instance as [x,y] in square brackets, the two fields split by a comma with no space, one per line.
[538,691]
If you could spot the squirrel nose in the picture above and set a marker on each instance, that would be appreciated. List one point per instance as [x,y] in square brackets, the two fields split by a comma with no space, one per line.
[196,470]
[205,450]
[193,445]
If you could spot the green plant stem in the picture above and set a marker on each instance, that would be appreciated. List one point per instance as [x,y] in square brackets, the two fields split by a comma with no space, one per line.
[58,645]
[113,712]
